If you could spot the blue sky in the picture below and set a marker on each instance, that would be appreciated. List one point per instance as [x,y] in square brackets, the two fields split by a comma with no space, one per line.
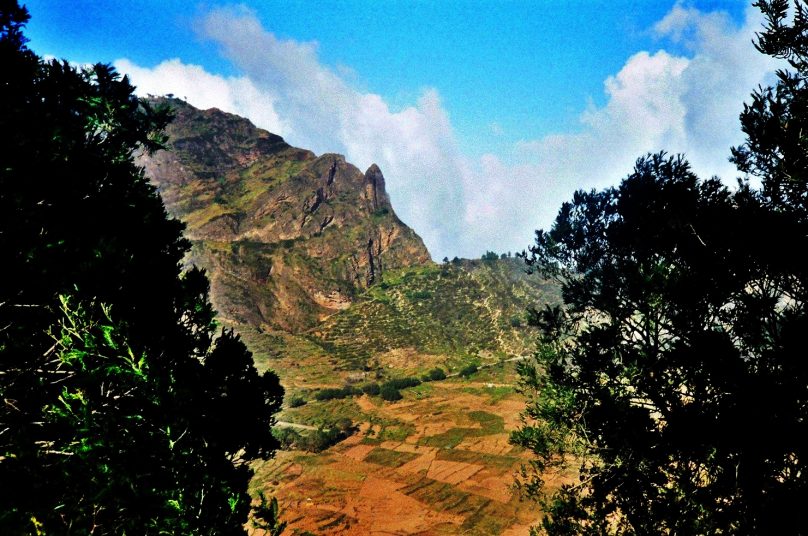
[484,116]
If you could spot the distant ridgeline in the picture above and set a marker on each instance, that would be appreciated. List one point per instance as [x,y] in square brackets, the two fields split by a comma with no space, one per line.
[290,239]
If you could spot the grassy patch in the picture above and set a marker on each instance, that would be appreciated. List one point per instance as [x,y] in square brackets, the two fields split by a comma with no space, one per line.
[495,394]
[445,497]
[449,439]
[389,458]
[317,413]
[390,431]
[457,311]
[490,423]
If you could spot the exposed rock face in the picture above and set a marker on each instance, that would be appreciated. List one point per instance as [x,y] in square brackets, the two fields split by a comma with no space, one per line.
[375,194]
[288,238]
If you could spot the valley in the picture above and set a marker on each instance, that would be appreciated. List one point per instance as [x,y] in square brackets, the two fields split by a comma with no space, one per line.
[327,287]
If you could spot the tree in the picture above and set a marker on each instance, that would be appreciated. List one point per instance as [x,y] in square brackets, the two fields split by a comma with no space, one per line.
[673,376]
[121,410]
[390,393]
[776,151]
[437,374]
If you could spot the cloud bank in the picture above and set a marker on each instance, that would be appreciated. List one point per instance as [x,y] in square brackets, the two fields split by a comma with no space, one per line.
[463,204]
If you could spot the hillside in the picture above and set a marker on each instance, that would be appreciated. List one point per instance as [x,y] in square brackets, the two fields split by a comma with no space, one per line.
[309,263]
[464,308]
[288,238]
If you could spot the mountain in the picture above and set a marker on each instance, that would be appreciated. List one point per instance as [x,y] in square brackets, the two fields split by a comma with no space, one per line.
[288,238]
[309,263]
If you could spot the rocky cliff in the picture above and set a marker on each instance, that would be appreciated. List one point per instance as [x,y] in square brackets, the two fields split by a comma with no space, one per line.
[288,238]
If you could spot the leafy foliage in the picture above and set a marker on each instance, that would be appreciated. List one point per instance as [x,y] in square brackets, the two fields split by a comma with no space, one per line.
[437,374]
[671,375]
[267,516]
[371,389]
[122,412]
[390,393]
[675,374]
[317,440]
[402,383]
[337,393]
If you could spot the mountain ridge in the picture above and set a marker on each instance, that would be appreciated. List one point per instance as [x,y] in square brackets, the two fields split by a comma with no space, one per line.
[255,207]
[310,265]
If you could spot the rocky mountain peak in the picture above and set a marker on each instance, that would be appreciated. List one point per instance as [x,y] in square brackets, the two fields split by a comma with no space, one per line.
[287,237]
[375,192]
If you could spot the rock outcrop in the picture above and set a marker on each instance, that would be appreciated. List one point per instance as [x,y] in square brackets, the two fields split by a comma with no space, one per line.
[278,228]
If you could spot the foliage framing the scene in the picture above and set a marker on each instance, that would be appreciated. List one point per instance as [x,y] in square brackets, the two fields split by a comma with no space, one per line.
[120,410]
[674,378]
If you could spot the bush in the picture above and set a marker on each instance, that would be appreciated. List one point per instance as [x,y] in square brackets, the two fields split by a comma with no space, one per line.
[296,402]
[403,383]
[318,440]
[390,393]
[336,393]
[325,437]
[437,374]
[468,370]
[371,389]
[344,425]
[287,437]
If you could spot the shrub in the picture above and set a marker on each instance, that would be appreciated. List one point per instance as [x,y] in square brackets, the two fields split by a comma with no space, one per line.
[326,436]
[403,383]
[436,374]
[287,437]
[296,402]
[336,393]
[371,389]
[344,425]
[468,370]
[390,393]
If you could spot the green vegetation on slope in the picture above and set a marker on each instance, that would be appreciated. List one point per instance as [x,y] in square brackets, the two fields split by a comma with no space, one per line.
[458,310]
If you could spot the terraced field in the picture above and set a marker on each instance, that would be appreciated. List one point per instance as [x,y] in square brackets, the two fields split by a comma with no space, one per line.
[437,462]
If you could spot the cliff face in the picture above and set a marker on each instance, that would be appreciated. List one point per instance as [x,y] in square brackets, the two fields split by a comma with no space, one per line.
[288,238]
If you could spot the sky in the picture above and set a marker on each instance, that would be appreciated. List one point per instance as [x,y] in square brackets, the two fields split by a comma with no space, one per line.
[484,116]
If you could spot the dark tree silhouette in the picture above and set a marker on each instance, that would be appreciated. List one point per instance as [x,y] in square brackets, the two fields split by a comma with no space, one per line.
[120,410]
[674,377]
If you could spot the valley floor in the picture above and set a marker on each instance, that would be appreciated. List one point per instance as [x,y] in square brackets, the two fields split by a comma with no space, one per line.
[437,462]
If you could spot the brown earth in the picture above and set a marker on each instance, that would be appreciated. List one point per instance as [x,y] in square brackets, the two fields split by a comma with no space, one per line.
[424,482]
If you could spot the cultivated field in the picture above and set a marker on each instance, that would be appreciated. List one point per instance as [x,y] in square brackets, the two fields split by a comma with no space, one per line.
[436,462]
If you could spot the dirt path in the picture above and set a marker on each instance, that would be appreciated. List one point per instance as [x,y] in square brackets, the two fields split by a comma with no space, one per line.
[489,365]
[286,424]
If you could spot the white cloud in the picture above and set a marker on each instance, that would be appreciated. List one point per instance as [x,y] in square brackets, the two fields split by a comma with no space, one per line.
[465,204]
[656,102]
[288,91]
[204,90]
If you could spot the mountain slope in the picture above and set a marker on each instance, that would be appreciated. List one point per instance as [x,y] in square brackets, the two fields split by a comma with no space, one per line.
[310,264]
[288,238]
[466,308]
